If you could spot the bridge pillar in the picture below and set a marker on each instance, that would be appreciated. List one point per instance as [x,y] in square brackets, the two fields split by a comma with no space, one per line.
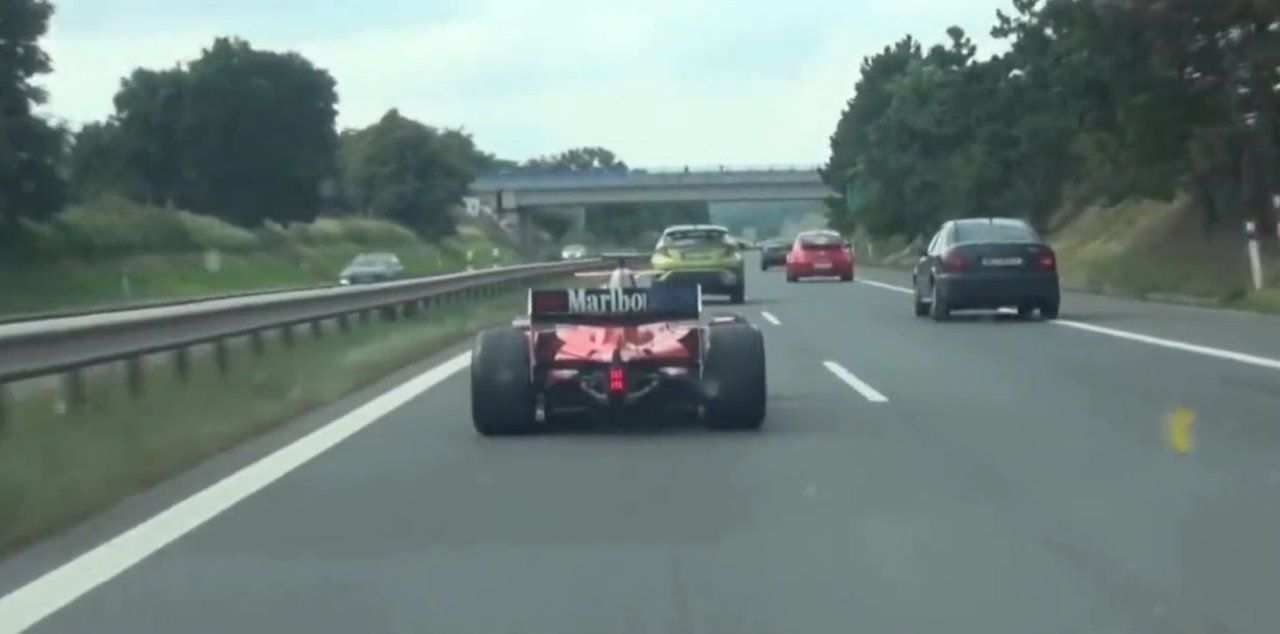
[524,231]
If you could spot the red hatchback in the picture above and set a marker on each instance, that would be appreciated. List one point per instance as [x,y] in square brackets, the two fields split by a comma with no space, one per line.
[820,254]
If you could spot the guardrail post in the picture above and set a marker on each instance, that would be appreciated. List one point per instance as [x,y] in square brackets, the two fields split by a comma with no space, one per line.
[182,364]
[220,356]
[344,323]
[388,313]
[72,397]
[364,317]
[409,309]
[256,343]
[4,408]
[286,335]
[1255,258]
[317,329]
[133,376]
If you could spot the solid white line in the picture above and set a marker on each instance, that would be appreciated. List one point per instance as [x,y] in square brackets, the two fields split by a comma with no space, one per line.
[35,601]
[770,318]
[887,287]
[854,382]
[1218,353]
[1172,344]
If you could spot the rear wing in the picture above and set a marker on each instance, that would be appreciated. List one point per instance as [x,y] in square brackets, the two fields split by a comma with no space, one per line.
[668,302]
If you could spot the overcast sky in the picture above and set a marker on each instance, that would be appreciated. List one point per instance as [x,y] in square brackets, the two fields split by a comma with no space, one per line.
[660,82]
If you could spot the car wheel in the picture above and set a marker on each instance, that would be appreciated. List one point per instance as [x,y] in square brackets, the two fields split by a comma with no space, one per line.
[938,307]
[738,294]
[846,278]
[735,368]
[1049,311]
[922,308]
[1025,312]
[502,395]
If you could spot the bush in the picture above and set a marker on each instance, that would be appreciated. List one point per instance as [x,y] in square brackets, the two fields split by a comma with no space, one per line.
[113,227]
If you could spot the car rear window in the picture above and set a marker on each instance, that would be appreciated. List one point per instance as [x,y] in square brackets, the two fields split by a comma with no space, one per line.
[821,240]
[695,238]
[994,232]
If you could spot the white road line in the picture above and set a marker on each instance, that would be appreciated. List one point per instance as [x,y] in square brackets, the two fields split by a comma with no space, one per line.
[854,382]
[1218,353]
[1172,344]
[887,287]
[35,601]
[770,318]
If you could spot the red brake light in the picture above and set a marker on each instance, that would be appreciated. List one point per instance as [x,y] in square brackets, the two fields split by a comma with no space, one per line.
[953,261]
[1046,260]
[616,382]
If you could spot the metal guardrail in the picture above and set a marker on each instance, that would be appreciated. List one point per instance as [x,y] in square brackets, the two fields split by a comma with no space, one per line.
[68,345]
[104,308]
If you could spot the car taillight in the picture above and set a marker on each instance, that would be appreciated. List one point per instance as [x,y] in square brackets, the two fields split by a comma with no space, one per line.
[1046,260]
[617,382]
[953,261]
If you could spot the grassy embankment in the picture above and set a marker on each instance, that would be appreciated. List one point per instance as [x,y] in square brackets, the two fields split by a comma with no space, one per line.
[1144,249]
[57,467]
[113,252]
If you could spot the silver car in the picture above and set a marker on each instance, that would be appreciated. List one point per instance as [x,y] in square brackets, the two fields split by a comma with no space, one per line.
[367,268]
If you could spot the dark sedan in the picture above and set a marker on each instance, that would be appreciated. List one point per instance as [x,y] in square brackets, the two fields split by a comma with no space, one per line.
[773,252]
[986,263]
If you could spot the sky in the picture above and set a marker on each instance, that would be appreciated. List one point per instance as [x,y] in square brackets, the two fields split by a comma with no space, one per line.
[659,82]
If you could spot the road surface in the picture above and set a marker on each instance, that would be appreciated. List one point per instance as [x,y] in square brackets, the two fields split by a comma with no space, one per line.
[985,475]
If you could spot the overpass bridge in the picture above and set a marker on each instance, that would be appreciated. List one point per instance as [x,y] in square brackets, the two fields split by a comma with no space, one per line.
[515,189]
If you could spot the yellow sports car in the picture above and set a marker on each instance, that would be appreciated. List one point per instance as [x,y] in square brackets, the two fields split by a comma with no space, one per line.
[701,254]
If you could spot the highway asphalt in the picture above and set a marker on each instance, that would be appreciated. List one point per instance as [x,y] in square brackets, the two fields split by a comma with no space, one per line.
[984,475]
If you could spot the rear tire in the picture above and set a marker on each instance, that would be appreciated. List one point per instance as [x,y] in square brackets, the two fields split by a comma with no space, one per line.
[502,395]
[938,307]
[738,294]
[1024,312]
[922,308]
[1050,311]
[735,363]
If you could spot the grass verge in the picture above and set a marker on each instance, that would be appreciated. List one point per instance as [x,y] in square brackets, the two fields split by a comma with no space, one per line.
[58,468]
[112,251]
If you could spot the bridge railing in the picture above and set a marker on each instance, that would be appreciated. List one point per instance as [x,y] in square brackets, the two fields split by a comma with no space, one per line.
[640,172]
[599,177]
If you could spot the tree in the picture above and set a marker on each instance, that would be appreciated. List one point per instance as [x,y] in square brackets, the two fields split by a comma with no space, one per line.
[1099,99]
[98,165]
[258,131]
[577,160]
[408,172]
[30,148]
[149,134]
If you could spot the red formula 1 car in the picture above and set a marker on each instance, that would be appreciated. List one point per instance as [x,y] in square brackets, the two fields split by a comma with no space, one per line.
[617,351]
[820,253]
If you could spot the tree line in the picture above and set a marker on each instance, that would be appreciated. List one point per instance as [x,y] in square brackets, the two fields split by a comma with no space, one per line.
[244,135]
[1093,102]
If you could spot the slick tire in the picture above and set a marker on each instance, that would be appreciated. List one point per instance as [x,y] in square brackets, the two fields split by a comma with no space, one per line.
[735,367]
[502,396]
